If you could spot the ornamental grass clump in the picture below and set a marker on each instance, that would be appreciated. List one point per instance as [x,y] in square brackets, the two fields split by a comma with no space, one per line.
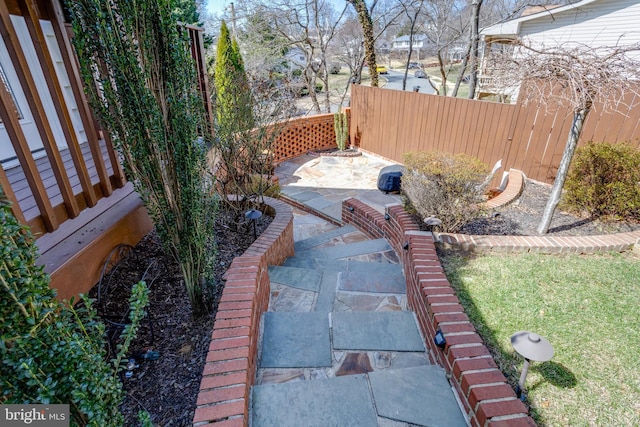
[341,127]
[449,187]
[142,84]
[51,351]
[604,181]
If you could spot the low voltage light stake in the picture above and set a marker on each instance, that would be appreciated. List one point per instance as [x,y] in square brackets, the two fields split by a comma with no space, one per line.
[253,215]
[531,346]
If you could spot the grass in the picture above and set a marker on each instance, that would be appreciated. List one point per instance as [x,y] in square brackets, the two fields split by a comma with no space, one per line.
[586,306]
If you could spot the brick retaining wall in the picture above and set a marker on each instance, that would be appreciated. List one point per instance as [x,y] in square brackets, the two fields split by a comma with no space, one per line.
[487,398]
[230,367]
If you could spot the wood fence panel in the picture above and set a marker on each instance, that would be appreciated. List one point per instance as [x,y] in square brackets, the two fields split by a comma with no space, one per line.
[530,138]
[537,139]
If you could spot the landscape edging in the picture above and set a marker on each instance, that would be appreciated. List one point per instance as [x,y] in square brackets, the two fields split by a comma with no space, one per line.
[486,397]
[230,367]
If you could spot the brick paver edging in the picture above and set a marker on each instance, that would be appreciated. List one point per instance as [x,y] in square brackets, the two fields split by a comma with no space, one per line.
[540,244]
[488,400]
[230,368]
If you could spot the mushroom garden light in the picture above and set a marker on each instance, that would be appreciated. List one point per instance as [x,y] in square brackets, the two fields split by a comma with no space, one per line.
[531,346]
[253,215]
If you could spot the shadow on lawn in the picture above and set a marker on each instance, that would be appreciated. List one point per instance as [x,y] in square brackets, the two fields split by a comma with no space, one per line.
[555,373]
[509,362]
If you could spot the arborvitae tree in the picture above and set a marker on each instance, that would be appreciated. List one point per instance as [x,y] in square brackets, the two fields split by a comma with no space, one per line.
[233,95]
[142,84]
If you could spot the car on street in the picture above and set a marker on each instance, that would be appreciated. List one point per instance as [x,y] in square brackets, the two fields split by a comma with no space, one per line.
[414,65]
[382,69]
[420,74]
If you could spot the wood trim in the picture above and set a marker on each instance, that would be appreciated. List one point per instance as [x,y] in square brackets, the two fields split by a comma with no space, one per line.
[16,136]
[54,11]
[29,9]
[8,191]
[75,262]
[35,105]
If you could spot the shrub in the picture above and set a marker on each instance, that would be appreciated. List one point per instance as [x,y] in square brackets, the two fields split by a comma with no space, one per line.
[449,187]
[604,181]
[142,84]
[53,352]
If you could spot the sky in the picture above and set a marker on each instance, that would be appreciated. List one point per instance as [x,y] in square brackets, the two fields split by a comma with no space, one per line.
[216,6]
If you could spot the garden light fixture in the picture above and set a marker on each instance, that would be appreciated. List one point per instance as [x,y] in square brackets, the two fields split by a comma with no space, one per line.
[531,346]
[253,215]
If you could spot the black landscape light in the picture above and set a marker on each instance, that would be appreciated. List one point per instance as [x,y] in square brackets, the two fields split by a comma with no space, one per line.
[531,346]
[253,215]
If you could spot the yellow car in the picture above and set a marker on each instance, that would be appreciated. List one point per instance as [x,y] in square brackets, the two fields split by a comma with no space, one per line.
[381,69]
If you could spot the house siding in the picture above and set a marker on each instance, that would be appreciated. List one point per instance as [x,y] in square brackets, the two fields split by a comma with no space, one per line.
[602,23]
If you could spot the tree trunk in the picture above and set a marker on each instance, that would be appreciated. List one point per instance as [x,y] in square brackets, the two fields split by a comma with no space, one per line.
[579,116]
[473,78]
[369,41]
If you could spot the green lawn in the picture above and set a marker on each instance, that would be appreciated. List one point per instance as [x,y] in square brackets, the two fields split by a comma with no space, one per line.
[588,307]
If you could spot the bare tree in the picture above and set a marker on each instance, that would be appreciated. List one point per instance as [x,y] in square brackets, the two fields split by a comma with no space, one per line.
[364,16]
[309,27]
[573,75]
[412,10]
[446,26]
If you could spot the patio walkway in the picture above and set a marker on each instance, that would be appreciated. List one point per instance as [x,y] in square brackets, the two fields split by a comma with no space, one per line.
[339,346]
[322,183]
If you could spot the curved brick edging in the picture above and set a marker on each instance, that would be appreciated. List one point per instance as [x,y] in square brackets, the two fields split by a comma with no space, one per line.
[512,191]
[230,367]
[487,398]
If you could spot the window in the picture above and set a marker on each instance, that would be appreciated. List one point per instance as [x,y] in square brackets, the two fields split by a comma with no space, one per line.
[5,82]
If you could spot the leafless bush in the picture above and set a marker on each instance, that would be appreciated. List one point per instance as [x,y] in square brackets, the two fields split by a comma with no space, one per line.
[449,187]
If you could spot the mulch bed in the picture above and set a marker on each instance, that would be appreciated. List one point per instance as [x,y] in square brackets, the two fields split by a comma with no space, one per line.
[521,218]
[168,387]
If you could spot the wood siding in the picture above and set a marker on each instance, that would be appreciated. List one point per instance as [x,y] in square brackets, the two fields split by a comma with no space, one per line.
[601,23]
[530,138]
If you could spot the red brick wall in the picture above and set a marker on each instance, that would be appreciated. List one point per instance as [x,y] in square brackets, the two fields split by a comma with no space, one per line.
[230,368]
[482,388]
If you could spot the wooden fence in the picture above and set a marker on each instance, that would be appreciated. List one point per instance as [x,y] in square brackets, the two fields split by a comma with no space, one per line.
[530,138]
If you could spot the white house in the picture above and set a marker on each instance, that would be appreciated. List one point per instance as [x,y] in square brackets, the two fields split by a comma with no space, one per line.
[402,42]
[593,23]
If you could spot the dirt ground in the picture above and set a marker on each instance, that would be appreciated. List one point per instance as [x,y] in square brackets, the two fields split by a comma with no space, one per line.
[168,387]
[521,218]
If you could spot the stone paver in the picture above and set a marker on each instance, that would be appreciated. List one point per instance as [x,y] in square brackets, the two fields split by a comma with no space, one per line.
[323,182]
[370,282]
[420,395]
[301,278]
[295,340]
[343,401]
[376,331]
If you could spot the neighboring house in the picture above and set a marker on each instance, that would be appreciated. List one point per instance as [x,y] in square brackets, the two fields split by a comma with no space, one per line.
[594,23]
[420,43]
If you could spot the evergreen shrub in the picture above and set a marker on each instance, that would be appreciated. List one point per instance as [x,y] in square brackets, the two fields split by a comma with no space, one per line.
[604,181]
[52,352]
